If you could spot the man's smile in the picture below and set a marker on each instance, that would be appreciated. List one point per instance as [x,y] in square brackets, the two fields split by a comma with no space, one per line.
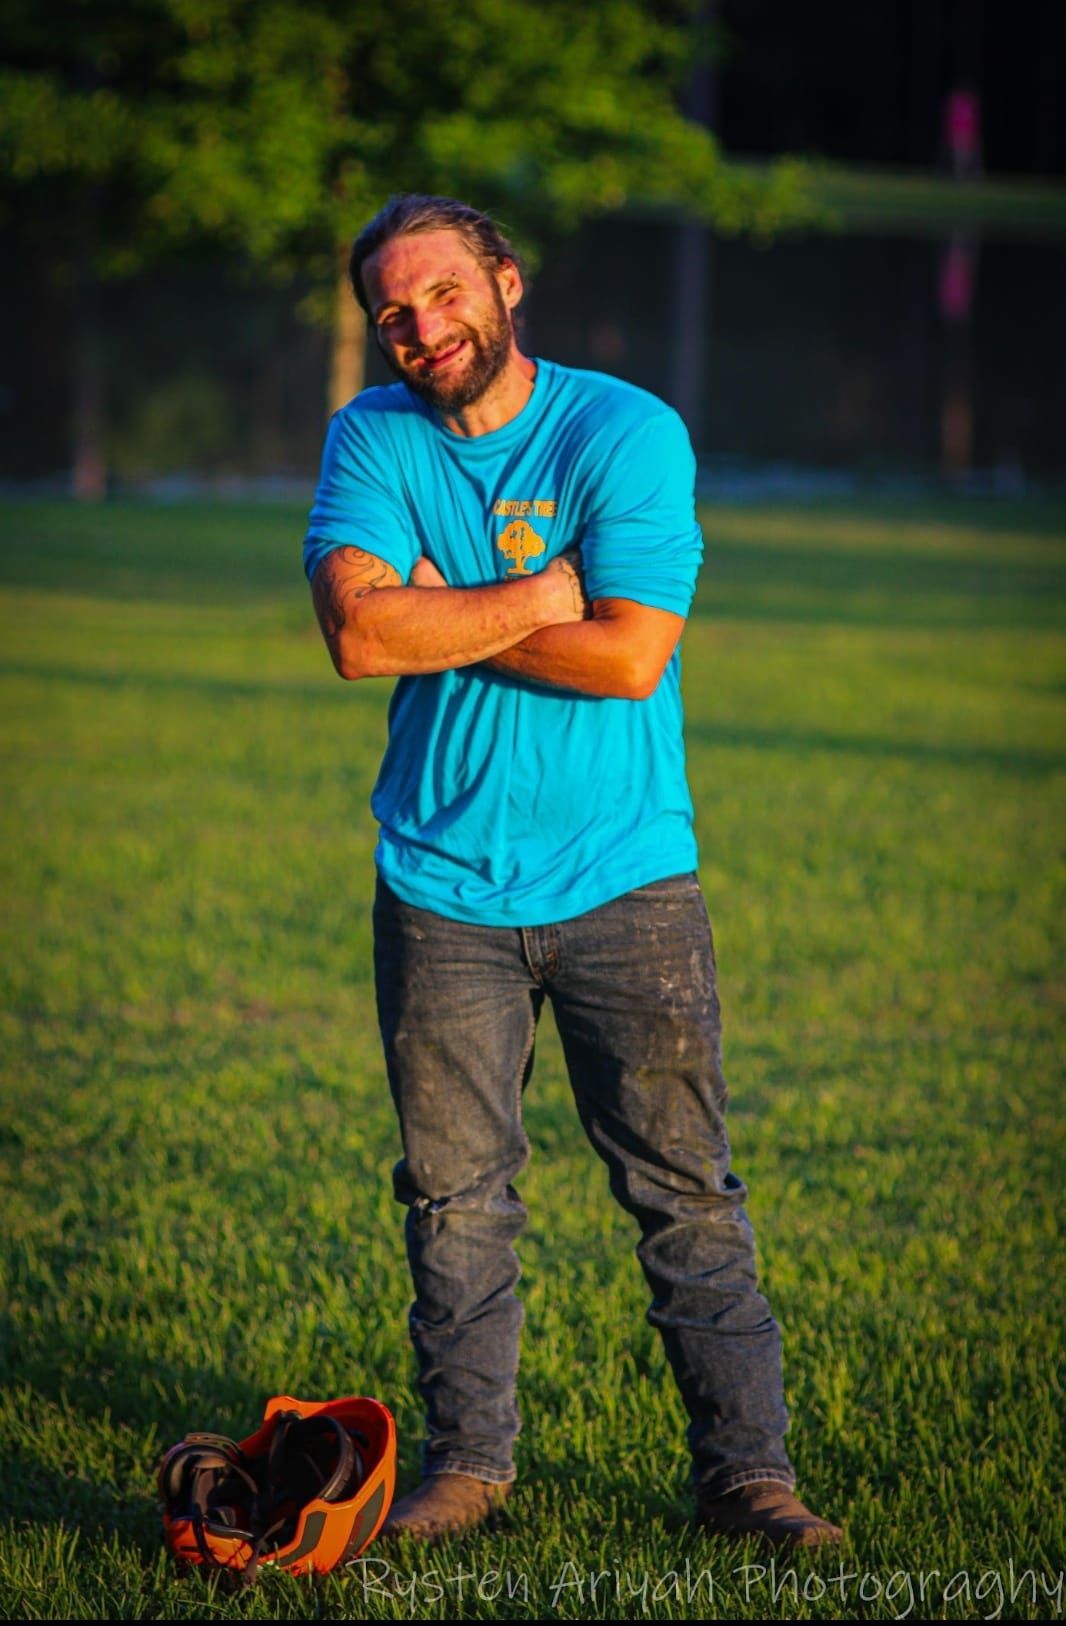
[443,358]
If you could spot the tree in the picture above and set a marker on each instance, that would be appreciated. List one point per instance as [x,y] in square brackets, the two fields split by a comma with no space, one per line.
[518,542]
[275,127]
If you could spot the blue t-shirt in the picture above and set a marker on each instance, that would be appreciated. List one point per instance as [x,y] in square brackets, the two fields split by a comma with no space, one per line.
[503,802]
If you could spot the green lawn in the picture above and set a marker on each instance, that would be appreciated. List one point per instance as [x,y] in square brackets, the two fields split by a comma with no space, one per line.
[196,1138]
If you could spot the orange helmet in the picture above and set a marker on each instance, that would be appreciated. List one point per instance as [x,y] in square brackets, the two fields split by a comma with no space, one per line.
[307,1491]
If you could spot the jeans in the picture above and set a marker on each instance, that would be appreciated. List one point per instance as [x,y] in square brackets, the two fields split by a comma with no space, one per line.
[633,989]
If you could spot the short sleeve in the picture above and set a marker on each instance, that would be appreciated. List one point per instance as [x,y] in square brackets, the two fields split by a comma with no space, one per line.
[359,502]
[641,540]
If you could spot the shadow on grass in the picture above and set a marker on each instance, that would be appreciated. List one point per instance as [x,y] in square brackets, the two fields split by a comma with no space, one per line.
[118,1494]
[128,1384]
[941,753]
[326,692]
[37,1494]
[757,582]
[189,553]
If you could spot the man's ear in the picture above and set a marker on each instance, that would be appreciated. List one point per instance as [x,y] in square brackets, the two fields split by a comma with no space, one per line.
[509,282]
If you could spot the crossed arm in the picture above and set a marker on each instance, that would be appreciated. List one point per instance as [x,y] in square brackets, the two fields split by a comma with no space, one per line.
[541,628]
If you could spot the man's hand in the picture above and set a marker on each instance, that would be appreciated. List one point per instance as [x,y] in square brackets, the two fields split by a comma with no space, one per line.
[566,567]
[426,574]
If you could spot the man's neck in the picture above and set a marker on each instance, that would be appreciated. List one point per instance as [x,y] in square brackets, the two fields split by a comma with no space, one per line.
[502,401]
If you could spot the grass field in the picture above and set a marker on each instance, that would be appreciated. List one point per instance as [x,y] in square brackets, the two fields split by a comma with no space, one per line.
[196,1137]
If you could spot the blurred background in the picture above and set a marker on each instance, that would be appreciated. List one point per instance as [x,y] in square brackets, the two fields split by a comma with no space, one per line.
[833,236]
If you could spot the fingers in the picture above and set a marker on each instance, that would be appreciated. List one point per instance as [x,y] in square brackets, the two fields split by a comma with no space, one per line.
[424,573]
[569,562]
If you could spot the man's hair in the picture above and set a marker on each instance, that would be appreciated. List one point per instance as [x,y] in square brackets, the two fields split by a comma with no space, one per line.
[410,212]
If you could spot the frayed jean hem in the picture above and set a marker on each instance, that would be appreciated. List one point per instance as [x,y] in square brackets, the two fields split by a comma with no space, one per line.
[724,1482]
[472,1470]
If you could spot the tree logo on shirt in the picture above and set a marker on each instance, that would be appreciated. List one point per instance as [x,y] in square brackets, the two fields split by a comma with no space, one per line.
[519,542]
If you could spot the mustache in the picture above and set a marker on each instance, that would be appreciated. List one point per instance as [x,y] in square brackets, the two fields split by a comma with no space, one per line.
[424,353]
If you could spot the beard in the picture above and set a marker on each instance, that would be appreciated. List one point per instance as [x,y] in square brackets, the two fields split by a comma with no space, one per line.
[490,349]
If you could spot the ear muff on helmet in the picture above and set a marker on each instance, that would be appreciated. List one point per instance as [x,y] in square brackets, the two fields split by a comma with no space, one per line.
[198,1455]
[307,1491]
[211,1503]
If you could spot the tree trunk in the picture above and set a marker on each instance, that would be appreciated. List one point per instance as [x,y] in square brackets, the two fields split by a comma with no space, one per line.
[957,297]
[88,469]
[347,370]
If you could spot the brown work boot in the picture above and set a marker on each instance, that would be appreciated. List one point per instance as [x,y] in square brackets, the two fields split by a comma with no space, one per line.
[443,1505]
[768,1510]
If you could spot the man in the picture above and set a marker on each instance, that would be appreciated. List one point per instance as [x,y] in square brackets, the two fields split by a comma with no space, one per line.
[517,543]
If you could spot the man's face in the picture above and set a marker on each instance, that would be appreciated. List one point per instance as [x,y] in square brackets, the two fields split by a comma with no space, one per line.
[443,321]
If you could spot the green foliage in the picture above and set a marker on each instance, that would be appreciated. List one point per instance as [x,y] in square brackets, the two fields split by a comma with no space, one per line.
[277,126]
[196,1135]
[183,423]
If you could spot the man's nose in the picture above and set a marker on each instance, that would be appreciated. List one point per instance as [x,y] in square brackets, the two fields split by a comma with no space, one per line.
[427,327]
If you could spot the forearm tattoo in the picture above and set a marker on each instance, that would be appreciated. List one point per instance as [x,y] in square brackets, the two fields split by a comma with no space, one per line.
[345,576]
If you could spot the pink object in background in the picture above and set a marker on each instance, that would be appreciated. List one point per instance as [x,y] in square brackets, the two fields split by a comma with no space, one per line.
[962,130]
[958,271]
